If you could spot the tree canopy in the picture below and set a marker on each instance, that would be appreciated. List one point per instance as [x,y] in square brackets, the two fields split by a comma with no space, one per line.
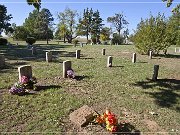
[4,19]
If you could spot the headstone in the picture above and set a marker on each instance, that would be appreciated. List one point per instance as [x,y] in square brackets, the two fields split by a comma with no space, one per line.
[25,70]
[17,44]
[49,56]
[81,44]
[78,53]
[2,61]
[33,50]
[82,116]
[134,58]
[155,74]
[175,50]
[150,54]
[109,61]
[66,67]
[103,51]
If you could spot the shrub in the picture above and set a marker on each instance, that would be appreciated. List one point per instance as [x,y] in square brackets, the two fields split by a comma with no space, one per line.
[3,41]
[30,40]
[117,39]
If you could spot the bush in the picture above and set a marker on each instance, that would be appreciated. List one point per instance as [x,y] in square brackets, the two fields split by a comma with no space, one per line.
[104,42]
[3,41]
[30,40]
[117,39]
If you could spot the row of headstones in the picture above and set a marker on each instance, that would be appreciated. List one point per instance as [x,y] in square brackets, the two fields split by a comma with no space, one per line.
[49,55]
[26,70]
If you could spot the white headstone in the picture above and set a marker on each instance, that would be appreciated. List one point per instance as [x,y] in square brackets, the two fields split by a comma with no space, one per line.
[66,67]
[25,70]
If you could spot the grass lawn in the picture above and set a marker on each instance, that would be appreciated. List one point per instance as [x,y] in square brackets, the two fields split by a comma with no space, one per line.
[125,88]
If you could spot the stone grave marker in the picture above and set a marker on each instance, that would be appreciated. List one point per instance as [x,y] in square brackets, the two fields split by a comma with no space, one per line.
[150,54]
[78,53]
[2,61]
[109,61]
[25,70]
[33,50]
[82,116]
[155,72]
[66,67]
[134,58]
[103,51]
[81,44]
[49,56]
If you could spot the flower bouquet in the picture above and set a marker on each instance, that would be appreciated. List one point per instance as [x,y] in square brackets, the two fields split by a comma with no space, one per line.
[70,74]
[25,85]
[109,120]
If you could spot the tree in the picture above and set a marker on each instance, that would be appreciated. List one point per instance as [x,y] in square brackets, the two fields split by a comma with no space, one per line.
[118,21]
[169,3]
[45,20]
[4,19]
[35,3]
[85,23]
[105,34]
[67,23]
[39,23]
[96,27]
[153,34]
[20,33]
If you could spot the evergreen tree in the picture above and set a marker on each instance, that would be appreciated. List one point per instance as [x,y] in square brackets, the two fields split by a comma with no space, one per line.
[4,19]
[85,23]
[96,27]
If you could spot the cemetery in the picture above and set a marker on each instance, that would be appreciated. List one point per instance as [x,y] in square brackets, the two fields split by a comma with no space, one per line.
[144,98]
[90,67]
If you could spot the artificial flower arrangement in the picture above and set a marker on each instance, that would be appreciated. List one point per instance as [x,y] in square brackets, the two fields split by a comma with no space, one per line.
[109,120]
[70,73]
[25,85]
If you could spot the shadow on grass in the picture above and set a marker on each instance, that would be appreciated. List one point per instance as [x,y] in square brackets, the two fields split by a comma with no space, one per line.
[117,66]
[86,58]
[22,53]
[167,95]
[79,78]
[126,129]
[168,56]
[40,88]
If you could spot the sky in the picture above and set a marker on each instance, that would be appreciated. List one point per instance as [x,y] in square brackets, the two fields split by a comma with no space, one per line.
[134,10]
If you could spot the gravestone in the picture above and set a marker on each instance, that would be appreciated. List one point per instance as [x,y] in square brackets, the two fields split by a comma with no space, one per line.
[33,50]
[49,56]
[66,67]
[78,53]
[150,54]
[109,61]
[2,61]
[134,58]
[25,70]
[103,51]
[81,44]
[175,50]
[155,72]
[82,116]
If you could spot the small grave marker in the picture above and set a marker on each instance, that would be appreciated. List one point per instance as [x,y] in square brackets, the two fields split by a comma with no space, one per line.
[78,53]
[103,51]
[66,67]
[134,58]
[150,54]
[49,56]
[109,61]
[82,116]
[2,61]
[33,50]
[25,70]
[155,74]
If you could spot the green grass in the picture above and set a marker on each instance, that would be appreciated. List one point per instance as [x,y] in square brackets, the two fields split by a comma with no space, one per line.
[125,86]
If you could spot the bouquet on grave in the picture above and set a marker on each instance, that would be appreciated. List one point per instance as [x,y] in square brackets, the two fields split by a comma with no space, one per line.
[25,85]
[109,120]
[70,73]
